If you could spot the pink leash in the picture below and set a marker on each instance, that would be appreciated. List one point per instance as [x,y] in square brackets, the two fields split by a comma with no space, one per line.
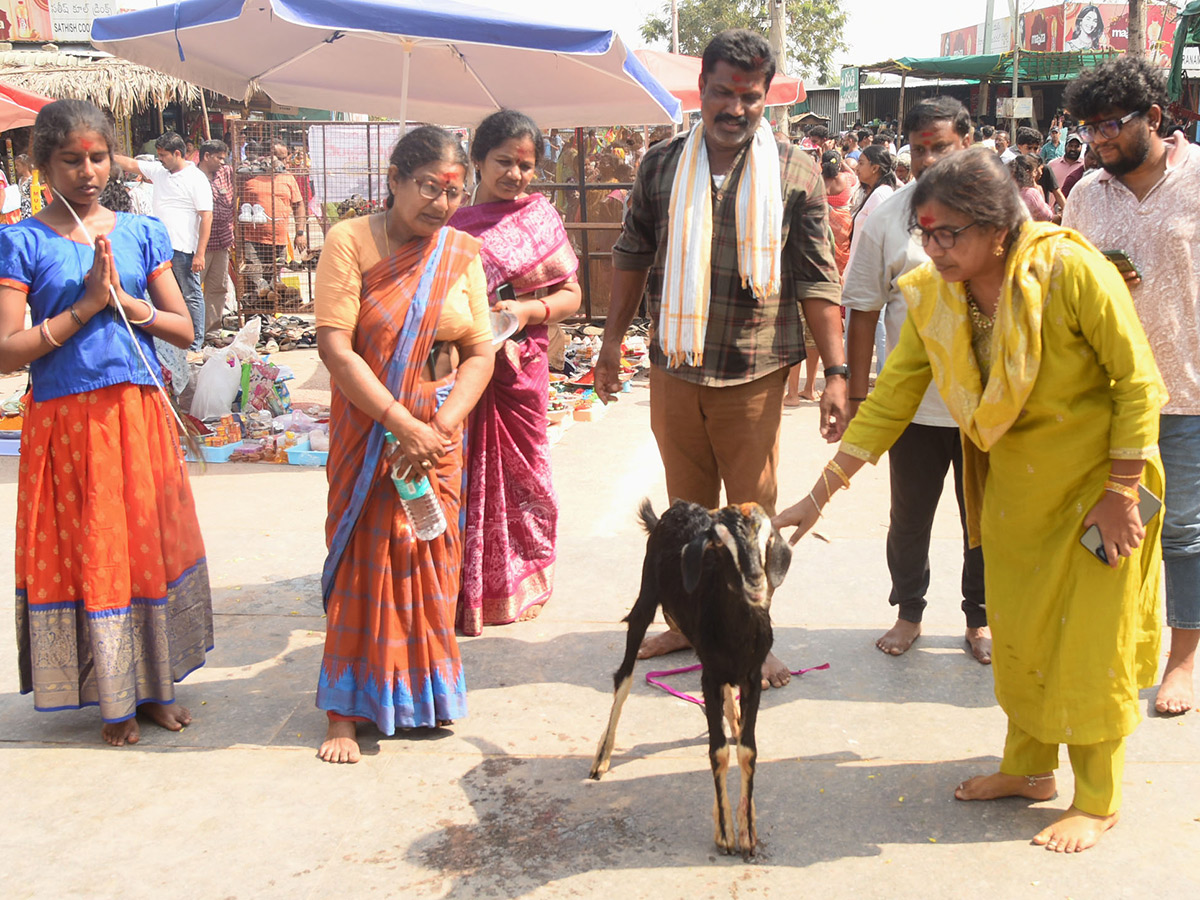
[652,678]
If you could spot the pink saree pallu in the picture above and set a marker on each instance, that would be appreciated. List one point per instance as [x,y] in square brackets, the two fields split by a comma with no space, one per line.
[511,509]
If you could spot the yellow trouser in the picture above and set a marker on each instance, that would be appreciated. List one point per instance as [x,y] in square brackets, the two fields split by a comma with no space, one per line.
[1098,767]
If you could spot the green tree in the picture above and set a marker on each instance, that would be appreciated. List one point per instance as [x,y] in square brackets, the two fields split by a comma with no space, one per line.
[814,29]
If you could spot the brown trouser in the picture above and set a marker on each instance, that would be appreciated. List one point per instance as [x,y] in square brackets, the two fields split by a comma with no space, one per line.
[710,435]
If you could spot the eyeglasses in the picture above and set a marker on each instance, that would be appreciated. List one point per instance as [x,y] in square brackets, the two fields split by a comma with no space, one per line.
[945,238]
[1108,129]
[431,190]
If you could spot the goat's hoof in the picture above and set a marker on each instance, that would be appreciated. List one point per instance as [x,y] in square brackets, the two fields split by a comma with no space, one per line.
[726,843]
[598,770]
[747,842]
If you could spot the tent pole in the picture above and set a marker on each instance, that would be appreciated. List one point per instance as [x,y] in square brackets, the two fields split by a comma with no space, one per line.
[404,88]
[900,112]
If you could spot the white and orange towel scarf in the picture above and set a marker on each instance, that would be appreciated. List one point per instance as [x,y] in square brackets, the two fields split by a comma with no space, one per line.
[683,318]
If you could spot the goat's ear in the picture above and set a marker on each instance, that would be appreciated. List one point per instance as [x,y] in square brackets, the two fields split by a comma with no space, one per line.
[691,562]
[779,559]
[725,536]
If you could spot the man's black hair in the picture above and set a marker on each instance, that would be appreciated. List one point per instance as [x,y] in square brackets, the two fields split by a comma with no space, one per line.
[171,142]
[742,49]
[988,132]
[819,133]
[1027,136]
[938,109]
[1125,83]
[209,147]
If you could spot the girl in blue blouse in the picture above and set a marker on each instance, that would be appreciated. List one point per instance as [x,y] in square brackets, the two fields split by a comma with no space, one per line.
[113,600]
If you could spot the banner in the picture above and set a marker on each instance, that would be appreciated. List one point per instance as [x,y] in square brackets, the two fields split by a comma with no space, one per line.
[25,21]
[848,95]
[1042,30]
[963,42]
[1105,26]
[71,20]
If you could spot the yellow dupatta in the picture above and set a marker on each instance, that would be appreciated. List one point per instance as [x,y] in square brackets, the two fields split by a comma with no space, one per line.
[939,311]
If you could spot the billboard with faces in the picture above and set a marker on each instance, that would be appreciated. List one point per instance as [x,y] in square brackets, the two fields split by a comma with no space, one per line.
[1105,26]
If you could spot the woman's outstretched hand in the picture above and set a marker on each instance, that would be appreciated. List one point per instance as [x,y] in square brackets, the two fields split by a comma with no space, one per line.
[803,516]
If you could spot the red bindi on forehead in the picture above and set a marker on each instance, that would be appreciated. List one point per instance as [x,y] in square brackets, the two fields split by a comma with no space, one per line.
[926,221]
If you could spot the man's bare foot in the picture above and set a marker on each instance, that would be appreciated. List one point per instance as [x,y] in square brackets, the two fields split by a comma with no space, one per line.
[810,394]
[168,716]
[791,401]
[980,640]
[1175,694]
[1075,831]
[121,733]
[775,672]
[997,785]
[662,644]
[900,637]
[341,743]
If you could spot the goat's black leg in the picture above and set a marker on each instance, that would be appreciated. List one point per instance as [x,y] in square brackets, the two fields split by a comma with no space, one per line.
[718,757]
[747,752]
[639,620]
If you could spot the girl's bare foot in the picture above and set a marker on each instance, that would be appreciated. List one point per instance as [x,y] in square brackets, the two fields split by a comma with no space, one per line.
[121,733]
[900,637]
[341,743]
[809,394]
[993,787]
[170,717]
[980,640]
[791,401]
[1075,831]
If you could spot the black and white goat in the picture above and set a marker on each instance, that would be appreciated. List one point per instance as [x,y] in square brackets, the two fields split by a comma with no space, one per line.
[713,572]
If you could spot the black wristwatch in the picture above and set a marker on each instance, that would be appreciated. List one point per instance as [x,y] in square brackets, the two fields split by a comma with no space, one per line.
[844,371]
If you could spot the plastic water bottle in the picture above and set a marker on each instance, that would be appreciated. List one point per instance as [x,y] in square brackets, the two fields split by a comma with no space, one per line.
[420,503]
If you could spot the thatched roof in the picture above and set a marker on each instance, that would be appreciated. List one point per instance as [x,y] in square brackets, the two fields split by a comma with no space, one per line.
[113,84]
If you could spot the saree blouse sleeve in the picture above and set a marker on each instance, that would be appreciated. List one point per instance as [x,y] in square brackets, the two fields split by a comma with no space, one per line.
[1099,299]
[338,287]
[156,247]
[465,318]
[889,408]
[17,258]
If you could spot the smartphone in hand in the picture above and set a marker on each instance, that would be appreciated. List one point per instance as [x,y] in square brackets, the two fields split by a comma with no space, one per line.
[1148,508]
[1124,264]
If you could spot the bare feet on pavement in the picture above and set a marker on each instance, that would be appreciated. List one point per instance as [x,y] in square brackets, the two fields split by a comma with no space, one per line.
[997,785]
[1175,694]
[774,672]
[1075,831]
[341,744]
[900,637]
[980,640]
[662,644]
[168,716]
[121,733]
[791,401]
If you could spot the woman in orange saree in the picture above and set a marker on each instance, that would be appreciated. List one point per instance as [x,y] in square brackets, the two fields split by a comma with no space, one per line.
[394,292]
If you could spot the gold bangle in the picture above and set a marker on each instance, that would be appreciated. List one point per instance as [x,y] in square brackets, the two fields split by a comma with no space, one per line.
[816,506]
[825,481]
[1135,478]
[1123,490]
[839,472]
[75,316]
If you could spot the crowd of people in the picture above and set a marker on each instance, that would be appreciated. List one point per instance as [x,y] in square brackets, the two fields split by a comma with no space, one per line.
[1058,387]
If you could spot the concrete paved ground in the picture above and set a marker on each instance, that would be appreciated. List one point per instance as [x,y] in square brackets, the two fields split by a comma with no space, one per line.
[855,771]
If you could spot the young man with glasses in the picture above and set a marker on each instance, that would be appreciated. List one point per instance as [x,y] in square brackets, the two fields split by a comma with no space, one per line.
[1145,201]
[931,445]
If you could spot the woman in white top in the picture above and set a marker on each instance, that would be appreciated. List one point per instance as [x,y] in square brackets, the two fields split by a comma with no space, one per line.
[877,181]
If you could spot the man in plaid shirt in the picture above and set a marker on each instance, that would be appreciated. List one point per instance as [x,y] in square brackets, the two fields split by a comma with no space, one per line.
[719,421]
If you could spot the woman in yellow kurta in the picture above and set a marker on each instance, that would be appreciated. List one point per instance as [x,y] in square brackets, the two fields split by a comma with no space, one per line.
[1033,342]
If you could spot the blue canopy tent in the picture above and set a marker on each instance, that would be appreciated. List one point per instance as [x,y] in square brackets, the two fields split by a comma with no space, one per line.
[448,63]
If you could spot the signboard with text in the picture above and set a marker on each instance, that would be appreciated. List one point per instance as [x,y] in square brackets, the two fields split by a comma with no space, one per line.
[848,96]
[71,20]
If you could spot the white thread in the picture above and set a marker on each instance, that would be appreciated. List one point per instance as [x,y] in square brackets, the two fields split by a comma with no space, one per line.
[124,318]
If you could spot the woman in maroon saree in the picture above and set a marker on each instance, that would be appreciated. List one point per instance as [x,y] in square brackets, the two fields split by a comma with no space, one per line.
[511,517]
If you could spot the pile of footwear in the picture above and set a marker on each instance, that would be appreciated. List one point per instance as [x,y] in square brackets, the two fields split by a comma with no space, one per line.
[278,333]
[356,205]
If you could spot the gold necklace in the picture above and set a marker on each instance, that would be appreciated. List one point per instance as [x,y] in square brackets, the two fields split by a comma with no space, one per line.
[979,318]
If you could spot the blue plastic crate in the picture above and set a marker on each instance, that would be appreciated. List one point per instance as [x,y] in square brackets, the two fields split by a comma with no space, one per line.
[303,455]
[216,454]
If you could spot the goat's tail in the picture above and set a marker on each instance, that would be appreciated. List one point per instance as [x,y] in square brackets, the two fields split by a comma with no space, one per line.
[646,514]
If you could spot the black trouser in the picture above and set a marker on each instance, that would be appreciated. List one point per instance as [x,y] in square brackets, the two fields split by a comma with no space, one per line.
[918,462]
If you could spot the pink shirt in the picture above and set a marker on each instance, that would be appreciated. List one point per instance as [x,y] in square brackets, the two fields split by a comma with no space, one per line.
[1161,234]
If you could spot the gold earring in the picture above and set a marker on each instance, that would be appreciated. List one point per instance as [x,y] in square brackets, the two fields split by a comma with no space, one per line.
[999,251]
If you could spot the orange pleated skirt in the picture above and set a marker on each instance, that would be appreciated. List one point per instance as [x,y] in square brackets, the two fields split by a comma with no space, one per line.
[113,598]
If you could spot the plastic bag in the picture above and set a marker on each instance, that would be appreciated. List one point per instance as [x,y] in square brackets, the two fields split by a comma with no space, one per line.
[221,375]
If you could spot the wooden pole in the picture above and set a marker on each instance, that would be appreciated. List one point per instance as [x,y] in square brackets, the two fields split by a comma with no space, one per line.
[1137,29]
[204,111]
[900,112]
